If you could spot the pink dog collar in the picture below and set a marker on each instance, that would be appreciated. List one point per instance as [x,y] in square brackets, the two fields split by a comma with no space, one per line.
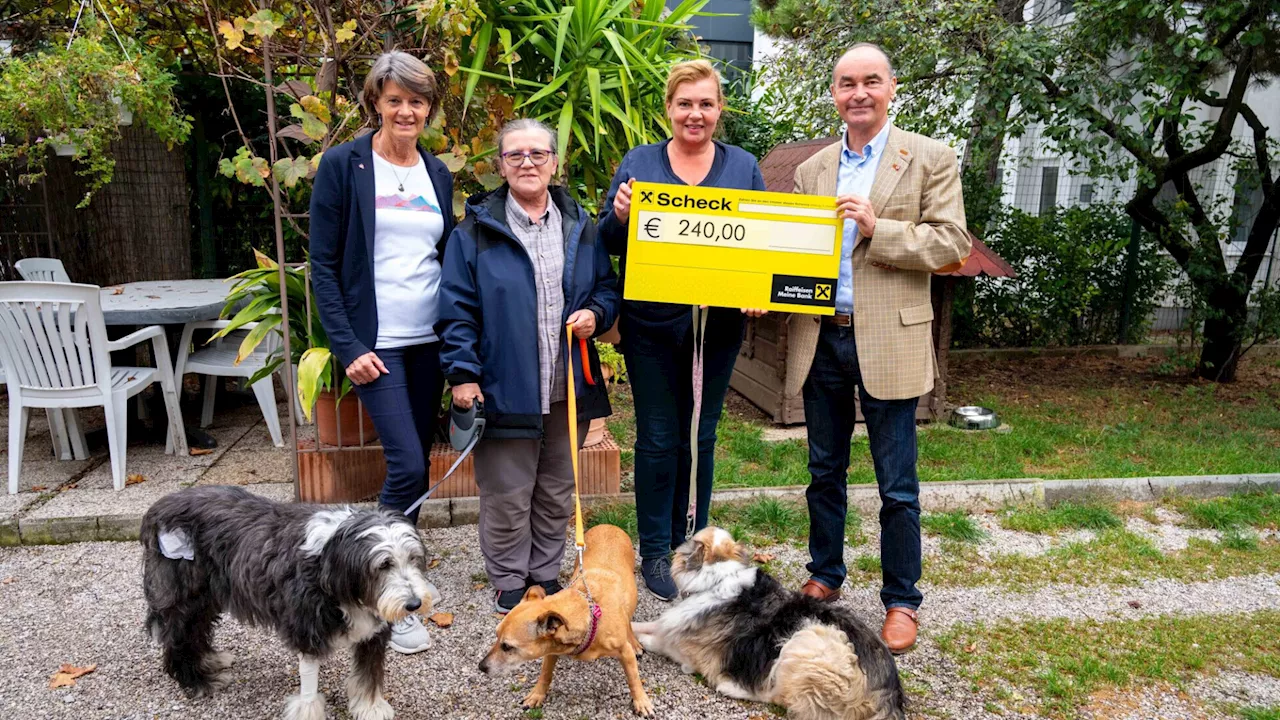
[596,612]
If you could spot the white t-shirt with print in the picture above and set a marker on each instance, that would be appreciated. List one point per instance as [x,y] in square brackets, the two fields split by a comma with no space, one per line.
[406,271]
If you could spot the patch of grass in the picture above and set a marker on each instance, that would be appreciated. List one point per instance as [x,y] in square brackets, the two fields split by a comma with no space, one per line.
[868,566]
[1237,539]
[1065,661]
[533,713]
[763,521]
[622,515]
[956,525]
[1255,508]
[1063,516]
[1113,557]
[1260,713]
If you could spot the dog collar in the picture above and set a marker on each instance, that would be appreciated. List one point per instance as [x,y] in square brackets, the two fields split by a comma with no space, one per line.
[596,612]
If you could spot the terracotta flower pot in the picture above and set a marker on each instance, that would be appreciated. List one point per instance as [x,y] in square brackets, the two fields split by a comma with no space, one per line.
[353,416]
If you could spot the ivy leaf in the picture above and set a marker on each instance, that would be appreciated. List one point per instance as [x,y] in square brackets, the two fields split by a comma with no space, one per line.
[347,32]
[450,63]
[289,171]
[234,33]
[453,161]
[311,125]
[226,167]
[264,23]
[316,106]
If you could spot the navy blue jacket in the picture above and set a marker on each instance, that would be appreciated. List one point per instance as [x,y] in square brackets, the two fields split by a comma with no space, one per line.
[342,222]
[665,323]
[489,312]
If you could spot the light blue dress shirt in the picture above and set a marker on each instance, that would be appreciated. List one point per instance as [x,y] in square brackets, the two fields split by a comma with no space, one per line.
[857,173]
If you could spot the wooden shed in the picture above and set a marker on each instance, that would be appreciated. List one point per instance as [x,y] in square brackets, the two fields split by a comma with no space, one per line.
[761,370]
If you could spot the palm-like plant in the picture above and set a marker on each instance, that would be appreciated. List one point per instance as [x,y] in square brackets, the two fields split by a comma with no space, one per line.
[595,70]
[259,289]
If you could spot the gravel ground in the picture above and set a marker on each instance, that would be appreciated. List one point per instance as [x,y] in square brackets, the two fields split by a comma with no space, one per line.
[82,604]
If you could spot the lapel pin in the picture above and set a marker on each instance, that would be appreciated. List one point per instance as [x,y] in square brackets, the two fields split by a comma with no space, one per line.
[895,166]
[361,166]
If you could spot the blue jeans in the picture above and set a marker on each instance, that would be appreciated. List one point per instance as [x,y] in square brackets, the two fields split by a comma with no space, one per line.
[891,428]
[404,405]
[661,376]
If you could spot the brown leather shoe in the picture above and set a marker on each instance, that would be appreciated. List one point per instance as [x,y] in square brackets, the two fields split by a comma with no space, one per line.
[899,631]
[819,591]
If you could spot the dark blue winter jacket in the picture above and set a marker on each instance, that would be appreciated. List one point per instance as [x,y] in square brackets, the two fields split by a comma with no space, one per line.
[488,323]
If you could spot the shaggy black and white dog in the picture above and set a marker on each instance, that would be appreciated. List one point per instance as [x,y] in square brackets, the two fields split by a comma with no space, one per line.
[753,639]
[322,578]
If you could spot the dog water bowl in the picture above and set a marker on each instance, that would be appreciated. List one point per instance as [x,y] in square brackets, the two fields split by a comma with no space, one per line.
[972,417]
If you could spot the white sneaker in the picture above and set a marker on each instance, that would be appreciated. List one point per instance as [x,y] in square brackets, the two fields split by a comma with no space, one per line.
[409,636]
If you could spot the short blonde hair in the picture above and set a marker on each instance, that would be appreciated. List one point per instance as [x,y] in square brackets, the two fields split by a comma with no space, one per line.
[692,71]
[406,71]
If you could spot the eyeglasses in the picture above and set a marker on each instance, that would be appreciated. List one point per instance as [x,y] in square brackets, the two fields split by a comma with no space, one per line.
[515,158]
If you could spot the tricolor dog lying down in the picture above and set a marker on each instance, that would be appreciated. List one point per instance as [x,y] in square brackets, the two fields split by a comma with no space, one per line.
[753,639]
[573,625]
[322,578]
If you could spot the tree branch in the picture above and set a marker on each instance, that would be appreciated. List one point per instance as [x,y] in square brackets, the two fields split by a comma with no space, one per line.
[1221,139]
[1109,127]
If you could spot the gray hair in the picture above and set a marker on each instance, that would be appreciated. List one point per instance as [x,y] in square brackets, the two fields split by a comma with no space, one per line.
[406,71]
[859,46]
[526,124]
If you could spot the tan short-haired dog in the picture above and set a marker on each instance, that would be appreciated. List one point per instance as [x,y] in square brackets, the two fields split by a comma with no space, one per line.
[567,623]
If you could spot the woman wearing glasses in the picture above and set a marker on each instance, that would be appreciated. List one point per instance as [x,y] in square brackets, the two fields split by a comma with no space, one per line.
[522,264]
[657,338]
[381,211]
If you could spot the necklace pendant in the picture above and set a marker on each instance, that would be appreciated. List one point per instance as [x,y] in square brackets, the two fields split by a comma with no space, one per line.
[401,187]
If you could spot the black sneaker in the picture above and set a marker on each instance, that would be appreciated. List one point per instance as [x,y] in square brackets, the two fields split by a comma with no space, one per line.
[657,577]
[504,601]
[551,586]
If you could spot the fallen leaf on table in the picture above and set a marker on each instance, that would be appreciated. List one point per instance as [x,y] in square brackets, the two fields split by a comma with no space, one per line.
[201,451]
[67,674]
[435,563]
[443,620]
[763,557]
[134,479]
[117,290]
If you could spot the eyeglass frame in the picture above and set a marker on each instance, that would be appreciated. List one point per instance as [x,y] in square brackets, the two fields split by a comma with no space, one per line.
[526,155]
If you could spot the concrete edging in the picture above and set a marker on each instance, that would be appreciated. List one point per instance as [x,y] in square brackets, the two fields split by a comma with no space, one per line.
[973,495]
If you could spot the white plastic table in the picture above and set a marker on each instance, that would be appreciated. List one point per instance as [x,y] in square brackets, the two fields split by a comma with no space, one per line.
[164,302]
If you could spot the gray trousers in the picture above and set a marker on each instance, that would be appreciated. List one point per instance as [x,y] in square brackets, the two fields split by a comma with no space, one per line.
[526,501]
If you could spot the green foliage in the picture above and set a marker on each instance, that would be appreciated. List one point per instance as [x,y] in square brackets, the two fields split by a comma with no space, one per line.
[1257,508]
[612,359]
[956,525]
[595,71]
[1063,516]
[75,95]
[747,122]
[1070,284]
[1260,713]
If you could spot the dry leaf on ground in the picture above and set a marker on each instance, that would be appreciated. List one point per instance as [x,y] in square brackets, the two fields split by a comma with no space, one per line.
[443,620]
[200,451]
[67,674]
[435,563]
[39,488]
[8,580]
[761,557]
[134,479]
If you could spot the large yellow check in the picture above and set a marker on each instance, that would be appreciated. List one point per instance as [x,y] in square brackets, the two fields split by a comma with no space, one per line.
[732,248]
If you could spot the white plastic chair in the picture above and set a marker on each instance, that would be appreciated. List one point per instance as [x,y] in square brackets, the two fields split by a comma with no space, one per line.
[64,425]
[53,343]
[218,359]
[38,269]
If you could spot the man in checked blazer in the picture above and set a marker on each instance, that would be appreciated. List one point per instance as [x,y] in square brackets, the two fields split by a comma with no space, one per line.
[904,219]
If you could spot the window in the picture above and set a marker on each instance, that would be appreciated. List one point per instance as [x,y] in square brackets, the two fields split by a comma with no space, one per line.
[1066,7]
[1048,189]
[1086,193]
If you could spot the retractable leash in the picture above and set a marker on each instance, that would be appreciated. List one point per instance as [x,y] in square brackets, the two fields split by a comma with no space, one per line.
[466,426]
[699,340]
[578,534]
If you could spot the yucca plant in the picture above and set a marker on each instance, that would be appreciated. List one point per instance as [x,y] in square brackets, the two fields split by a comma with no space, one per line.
[595,70]
[259,287]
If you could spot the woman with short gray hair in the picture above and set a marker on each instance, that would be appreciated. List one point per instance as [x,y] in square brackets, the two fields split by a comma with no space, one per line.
[381,213]
[522,265]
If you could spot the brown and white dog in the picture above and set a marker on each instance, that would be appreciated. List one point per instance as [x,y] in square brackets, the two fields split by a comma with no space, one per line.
[569,624]
[753,639]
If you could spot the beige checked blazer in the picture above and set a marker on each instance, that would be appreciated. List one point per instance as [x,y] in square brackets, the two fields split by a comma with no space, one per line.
[920,228]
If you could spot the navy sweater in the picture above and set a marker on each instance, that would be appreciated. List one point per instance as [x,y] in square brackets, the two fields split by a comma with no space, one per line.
[489,312]
[733,168]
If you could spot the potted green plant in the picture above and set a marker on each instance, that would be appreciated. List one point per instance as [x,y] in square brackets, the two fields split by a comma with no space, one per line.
[322,381]
[74,98]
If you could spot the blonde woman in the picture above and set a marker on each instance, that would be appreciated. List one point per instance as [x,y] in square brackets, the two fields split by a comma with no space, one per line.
[657,338]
